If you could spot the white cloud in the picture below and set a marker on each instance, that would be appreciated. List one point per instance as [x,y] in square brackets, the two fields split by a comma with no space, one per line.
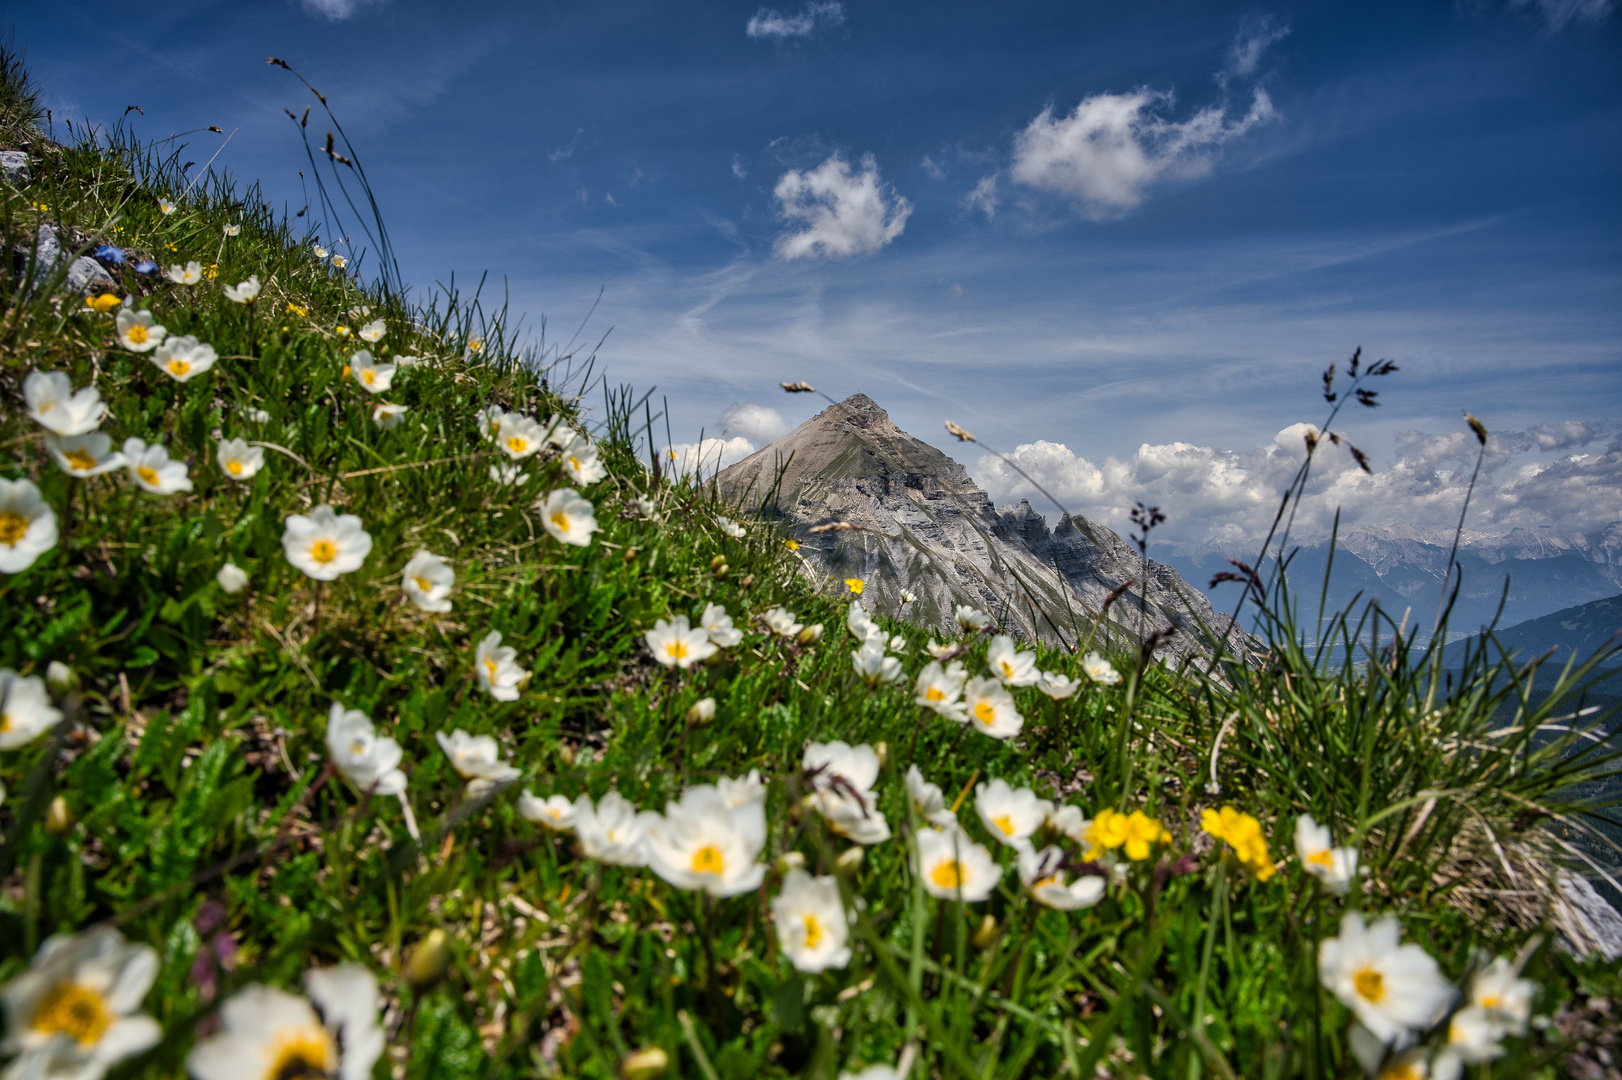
[770,23]
[737,167]
[338,10]
[984,196]
[1560,12]
[1106,154]
[707,457]
[933,169]
[1213,495]
[760,424]
[844,213]
[1255,37]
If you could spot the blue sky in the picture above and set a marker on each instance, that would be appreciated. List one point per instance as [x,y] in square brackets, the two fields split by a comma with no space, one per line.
[1125,238]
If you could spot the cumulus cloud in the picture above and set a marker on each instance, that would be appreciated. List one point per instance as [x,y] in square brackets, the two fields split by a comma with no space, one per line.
[1560,12]
[1216,496]
[1107,153]
[770,23]
[984,196]
[760,424]
[842,213]
[338,10]
[707,457]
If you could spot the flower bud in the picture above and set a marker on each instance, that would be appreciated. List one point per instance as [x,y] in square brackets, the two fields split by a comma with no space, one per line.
[429,959]
[566,755]
[790,860]
[882,749]
[810,635]
[645,1064]
[61,679]
[58,817]
[986,934]
[850,860]
[718,562]
[232,578]
[702,712]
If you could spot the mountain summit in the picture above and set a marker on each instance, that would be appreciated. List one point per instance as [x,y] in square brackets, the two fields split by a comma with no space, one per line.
[923,526]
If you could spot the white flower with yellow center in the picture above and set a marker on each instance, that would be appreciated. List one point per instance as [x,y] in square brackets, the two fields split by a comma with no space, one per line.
[613,831]
[718,625]
[811,925]
[387,415]
[730,527]
[233,229]
[56,407]
[1391,987]
[970,618]
[780,621]
[941,689]
[1070,821]
[269,1034]
[1012,815]
[365,760]
[1057,685]
[339,261]
[509,474]
[555,812]
[26,711]
[702,842]
[374,330]
[232,578]
[477,759]
[927,800]
[842,778]
[568,518]
[238,460]
[1472,1038]
[136,330]
[908,597]
[427,581]
[1336,867]
[519,436]
[181,358]
[1042,872]
[496,667]
[939,651]
[1099,671]
[991,708]
[489,420]
[74,1012]
[678,644]
[873,667]
[318,251]
[951,866]
[84,455]
[245,292]
[861,624]
[166,207]
[580,461]
[1010,666]
[27,526]
[190,274]
[1504,996]
[373,377]
[325,544]
[152,470]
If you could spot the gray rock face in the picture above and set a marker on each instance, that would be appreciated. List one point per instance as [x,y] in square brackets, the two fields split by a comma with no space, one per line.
[14,163]
[83,274]
[924,527]
[1587,922]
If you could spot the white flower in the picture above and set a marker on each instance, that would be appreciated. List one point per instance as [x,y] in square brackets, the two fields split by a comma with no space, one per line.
[558,433]
[1042,873]
[509,474]
[257,416]
[952,866]
[907,597]
[182,357]
[1057,685]
[1012,667]
[613,831]
[339,261]
[702,842]
[1011,815]
[718,624]
[1069,821]
[875,668]
[842,778]
[427,581]
[190,274]
[152,470]
[581,463]
[859,623]
[496,666]
[489,420]
[55,406]
[646,508]
[477,759]
[1335,867]
[244,293]
[702,711]
[568,518]
[374,330]
[971,618]
[83,455]
[811,926]
[519,436]
[555,812]
[898,644]
[386,415]
[676,644]
[232,229]
[318,251]
[1099,671]
[939,651]
[239,460]
[166,206]
[27,526]
[26,711]
[232,578]
[373,377]
[941,689]
[325,544]
[1472,1038]
[780,621]
[1392,988]
[730,527]
[74,1012]
[743,790]
[269,1034]
[364,759]
[1504,996]
[927,800]
[991,708]
[136,330]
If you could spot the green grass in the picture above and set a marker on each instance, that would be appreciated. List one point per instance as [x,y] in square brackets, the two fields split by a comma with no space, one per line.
[191,763]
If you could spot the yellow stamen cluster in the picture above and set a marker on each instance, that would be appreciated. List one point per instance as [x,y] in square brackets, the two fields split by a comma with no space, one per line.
[1244,834]
[1136,832]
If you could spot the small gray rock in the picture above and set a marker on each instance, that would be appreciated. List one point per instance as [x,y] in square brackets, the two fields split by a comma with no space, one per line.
[15,165]
[86,272]
[46,255]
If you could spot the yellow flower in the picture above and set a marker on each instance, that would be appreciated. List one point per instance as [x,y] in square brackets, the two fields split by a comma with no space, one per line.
[856,585]
[1244,834]
[41,207]
[102,304]
[792,545]
[341,331]
[1136,832]
[294,309]
[211,271]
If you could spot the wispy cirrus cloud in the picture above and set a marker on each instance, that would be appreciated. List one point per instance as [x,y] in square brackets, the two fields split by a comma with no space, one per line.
[771,23]
[837,213]
[1560,13]
[338,10]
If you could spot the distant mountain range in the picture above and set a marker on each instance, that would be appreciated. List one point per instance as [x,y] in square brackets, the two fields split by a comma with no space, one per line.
[907,519]
[1578,632]
[1402,567]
